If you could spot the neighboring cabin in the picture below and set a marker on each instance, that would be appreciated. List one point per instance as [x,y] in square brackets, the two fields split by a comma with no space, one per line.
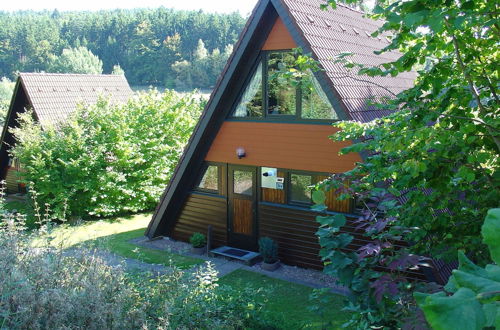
[280,131]
[53,97]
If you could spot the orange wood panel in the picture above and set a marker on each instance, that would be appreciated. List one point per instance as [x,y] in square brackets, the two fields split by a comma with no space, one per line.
[274,195]
[242,216]
[333,203]
[279,38]
[282,145]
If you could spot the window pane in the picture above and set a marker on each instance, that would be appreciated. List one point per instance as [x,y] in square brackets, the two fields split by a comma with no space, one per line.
[300,191]
[243,182]
[250,104]
[282,93]
[315,103]
[210,179]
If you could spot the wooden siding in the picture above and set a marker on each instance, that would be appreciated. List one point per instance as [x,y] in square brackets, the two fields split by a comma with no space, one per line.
[279,38]
[242,216]
[12,180]
[274,195]
[283,145]
[295,232]
[199,211]
[344,206]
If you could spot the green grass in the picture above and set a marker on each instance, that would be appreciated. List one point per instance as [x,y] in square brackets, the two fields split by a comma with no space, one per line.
[114,235]
[288,301]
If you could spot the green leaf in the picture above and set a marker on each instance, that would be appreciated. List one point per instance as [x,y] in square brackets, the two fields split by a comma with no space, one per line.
[491,233]
[318,197]
[476,283]
[444,313]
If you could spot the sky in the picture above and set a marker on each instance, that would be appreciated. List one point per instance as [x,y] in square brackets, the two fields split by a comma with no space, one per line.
[222,6]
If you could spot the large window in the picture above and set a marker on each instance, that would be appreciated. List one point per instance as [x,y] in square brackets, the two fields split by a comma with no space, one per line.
[272,92]
[250,104]
[281,94]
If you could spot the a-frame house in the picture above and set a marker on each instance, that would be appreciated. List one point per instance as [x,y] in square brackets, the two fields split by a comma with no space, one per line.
[53,97]
[262,140]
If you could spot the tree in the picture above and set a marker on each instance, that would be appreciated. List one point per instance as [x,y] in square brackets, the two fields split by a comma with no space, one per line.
[117,69]
[200,52]
[107,159]
[76,60]
[6,90]
[440,149]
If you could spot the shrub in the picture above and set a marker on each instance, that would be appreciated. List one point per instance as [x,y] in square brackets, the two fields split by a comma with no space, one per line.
[45,288]
[268,248]
[198,240]
[472,297]
[107,159]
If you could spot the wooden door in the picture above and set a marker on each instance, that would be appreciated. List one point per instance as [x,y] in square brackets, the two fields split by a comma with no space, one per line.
[242,191]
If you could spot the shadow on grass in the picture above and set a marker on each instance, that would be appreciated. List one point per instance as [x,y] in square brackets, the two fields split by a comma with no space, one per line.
[120,244]
[289,302]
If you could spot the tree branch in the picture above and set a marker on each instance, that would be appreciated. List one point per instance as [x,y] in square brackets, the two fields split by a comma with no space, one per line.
[472,87]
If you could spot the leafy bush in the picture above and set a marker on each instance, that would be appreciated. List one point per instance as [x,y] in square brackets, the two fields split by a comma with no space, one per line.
[47,288]
[198,240]
[472,297]
[268,248]
[107,159]
[75,60]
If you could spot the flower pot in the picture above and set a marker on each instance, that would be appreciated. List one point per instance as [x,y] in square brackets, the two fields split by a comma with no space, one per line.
[199,250]
[270,267]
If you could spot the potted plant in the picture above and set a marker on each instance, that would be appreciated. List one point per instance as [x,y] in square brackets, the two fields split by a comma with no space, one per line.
[268,249]
[198,242]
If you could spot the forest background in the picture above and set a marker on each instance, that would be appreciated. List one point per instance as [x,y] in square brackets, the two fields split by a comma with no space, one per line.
[159,47]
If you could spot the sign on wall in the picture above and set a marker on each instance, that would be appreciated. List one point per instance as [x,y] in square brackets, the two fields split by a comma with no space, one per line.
[270,179]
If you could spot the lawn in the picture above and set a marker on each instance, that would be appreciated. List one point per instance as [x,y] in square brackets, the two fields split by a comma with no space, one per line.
[289,300]
[115,235]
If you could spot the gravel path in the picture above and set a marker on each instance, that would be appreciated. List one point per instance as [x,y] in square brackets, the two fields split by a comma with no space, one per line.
[307,277]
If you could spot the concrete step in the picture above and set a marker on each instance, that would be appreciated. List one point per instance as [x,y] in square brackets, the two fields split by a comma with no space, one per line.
[248,257]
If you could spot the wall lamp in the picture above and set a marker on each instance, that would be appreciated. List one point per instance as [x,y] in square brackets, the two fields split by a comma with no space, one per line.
[240,152]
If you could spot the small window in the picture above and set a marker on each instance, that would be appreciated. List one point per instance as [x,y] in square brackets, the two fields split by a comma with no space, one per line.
[210,179]
[281,91]
[300,188]
[243,182]
[315,103]
[250,104]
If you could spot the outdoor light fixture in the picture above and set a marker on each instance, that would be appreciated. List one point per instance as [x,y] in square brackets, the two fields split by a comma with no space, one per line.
[240,152]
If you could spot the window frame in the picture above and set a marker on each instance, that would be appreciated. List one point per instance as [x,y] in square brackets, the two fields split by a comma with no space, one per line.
[204,168]
[265,116]
[288,196]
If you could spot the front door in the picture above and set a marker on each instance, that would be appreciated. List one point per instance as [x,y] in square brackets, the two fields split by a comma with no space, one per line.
[242,191]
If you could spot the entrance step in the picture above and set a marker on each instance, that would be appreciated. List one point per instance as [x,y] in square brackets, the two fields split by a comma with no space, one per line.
[248,257]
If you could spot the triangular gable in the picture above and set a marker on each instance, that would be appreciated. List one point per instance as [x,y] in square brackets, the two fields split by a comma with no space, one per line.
[266,22]
[317,33]
[279,37]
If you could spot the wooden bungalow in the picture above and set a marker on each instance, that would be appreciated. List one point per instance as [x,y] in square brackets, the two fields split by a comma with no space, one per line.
[52,97]
[262,140]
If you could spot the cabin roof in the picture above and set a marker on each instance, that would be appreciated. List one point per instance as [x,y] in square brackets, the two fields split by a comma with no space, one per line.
[54,96]
[328,33]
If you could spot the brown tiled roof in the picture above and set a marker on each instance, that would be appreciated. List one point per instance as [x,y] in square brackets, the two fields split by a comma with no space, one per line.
[331,32]
[55,96]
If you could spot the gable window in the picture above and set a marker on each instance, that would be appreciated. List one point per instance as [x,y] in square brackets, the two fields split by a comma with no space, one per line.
[250,104]
[210,180]
[281,94]
[271,93]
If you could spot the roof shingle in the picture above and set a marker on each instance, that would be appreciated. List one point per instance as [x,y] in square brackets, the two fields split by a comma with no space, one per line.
[55,96]
[345,30]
